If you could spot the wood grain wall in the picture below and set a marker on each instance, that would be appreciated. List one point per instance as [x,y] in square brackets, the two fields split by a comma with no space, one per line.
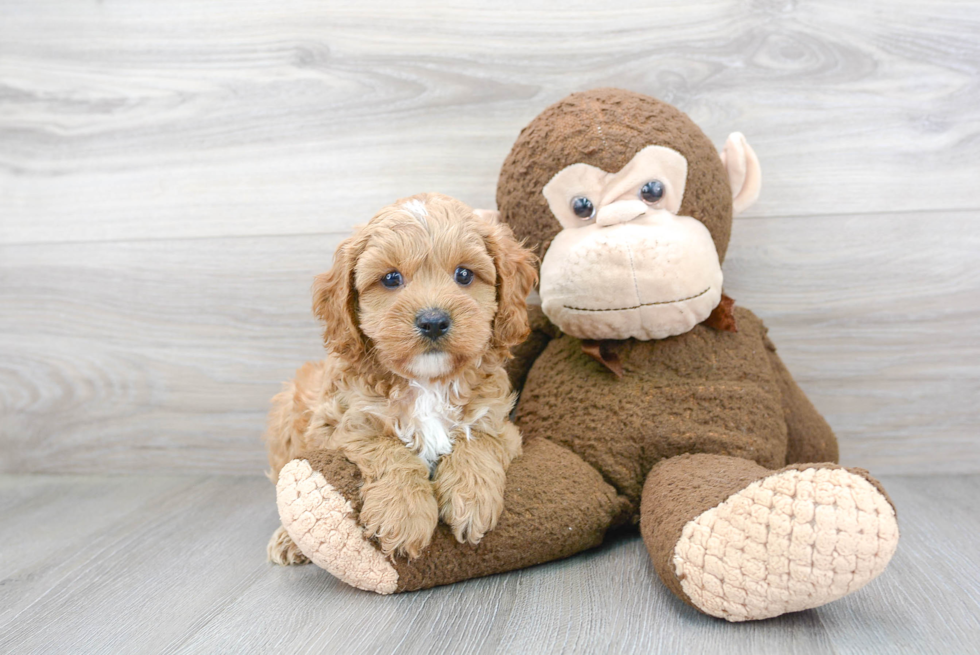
[172,175]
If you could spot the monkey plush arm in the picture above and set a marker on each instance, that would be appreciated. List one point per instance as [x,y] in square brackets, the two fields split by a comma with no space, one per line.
[810,438]
[542,331]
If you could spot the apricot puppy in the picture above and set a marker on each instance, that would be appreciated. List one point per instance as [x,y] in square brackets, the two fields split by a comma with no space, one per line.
[421,307]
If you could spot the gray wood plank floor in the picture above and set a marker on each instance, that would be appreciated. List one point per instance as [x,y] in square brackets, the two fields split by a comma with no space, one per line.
[176,564]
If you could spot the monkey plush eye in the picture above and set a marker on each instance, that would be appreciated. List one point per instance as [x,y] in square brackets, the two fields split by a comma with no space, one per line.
[463,276]
[583,208]
[652,191]
[392,280]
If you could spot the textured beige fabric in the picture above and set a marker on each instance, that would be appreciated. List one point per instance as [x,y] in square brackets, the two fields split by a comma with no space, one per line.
[604,189]
[744,172]
[789,542]
[649,278]
[633,269]
[321,522]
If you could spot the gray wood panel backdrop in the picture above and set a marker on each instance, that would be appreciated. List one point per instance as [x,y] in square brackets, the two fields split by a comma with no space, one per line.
[172,175]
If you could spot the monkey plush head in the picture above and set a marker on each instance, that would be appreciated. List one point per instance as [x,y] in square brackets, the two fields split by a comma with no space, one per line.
[630,206]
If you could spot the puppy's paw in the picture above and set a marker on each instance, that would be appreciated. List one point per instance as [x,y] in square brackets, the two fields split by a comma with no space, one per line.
[282,551]
[401,515]
[470,504]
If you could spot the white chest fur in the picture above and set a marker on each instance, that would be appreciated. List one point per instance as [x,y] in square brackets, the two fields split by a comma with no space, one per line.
[431,423]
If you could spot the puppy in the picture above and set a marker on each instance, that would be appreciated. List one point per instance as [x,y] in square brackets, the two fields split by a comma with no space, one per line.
[421,307]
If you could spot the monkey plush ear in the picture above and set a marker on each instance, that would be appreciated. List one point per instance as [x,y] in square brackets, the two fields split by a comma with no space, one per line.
[335,301]
[744,173]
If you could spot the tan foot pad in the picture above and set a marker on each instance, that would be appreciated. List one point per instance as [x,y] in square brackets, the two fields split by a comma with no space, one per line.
[321,522]
[789,542]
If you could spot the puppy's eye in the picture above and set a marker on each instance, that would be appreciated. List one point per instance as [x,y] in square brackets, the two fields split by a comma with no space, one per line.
[583,208]
[464,276]
[652,191]
[392,280]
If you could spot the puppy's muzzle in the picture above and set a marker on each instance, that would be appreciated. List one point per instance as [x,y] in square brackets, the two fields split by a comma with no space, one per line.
[433,323]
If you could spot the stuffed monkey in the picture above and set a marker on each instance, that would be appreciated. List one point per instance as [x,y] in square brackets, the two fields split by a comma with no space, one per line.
[646,397]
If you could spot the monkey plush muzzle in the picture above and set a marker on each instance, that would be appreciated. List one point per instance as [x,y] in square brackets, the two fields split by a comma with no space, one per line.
[649,278]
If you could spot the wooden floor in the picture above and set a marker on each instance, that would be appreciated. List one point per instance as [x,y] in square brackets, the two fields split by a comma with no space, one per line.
[168,564]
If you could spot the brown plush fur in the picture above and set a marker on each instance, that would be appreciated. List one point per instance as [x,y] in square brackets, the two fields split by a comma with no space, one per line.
[606,128]
[363,398]
[703,391]
[570,513]
[696,417]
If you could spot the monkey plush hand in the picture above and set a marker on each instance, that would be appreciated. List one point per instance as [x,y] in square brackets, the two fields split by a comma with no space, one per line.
[646,397]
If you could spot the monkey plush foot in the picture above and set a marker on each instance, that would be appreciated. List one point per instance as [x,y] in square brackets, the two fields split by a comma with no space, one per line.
[555,505]
[323,524]
[786,541]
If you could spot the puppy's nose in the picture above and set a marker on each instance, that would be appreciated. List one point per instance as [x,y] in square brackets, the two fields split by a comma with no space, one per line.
[433,323]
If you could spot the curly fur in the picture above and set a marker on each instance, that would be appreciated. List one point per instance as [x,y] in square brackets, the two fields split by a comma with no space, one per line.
[428,427]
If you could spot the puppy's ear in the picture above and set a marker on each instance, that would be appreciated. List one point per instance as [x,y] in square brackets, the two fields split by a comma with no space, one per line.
[516,277]
[335,301]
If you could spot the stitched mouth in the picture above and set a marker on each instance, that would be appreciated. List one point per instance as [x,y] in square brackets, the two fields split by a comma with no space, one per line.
[645,304]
